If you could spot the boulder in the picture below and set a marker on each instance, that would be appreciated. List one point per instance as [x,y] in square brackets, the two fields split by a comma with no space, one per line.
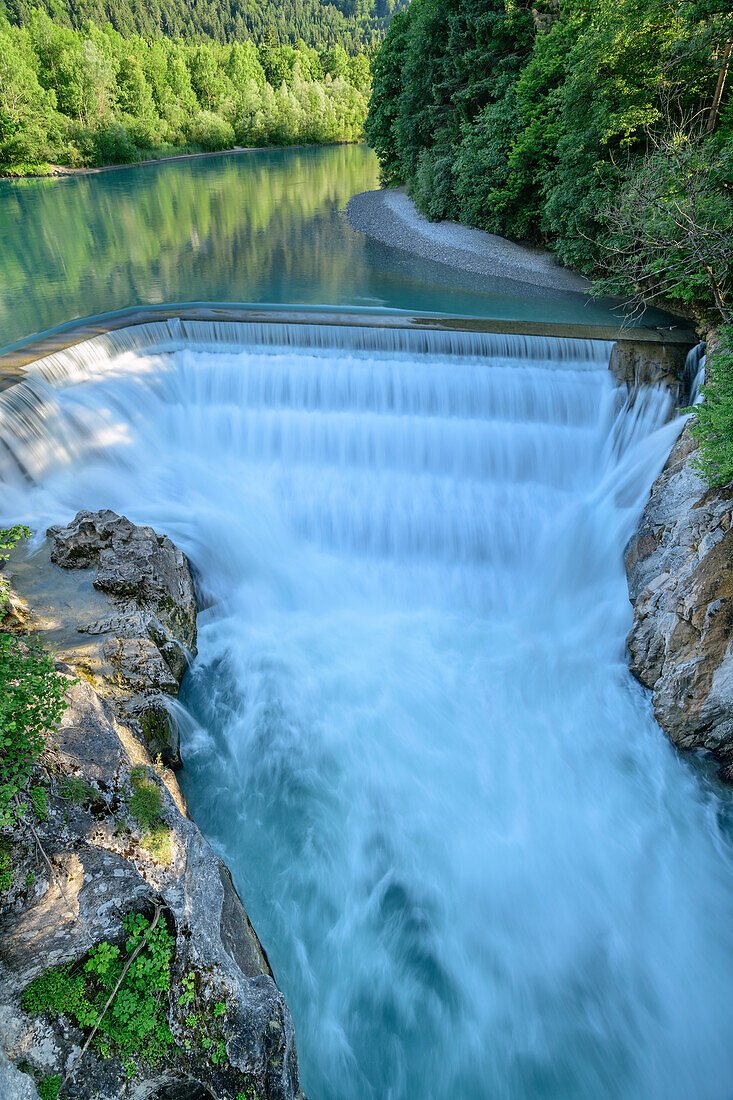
[140,568]
[139,647]
[15,1085]
[679,566]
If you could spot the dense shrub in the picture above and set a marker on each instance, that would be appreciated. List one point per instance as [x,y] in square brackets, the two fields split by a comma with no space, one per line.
[431,186]
[548,123]
[713,427]
[210,132]
[111,144]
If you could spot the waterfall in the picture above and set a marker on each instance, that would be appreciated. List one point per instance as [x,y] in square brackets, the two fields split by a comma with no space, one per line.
[478,867]
[694,372]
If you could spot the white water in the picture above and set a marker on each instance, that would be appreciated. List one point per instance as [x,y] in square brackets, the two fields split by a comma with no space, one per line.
[478,867]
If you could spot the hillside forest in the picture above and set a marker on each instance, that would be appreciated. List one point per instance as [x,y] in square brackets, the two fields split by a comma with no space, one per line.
[93,96]
[601,127]
[353,24]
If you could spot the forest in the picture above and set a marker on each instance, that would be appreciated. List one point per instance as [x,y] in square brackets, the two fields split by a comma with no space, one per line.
[603,128]
[92,97]
[352,24]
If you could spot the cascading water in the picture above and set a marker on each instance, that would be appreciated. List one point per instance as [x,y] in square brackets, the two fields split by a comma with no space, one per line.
[695,372]
[478,867]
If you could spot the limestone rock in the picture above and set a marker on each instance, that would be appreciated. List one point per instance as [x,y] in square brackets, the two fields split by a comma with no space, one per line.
[140,628]
[680,572]
[135,565]
[15,1085]
[102,870]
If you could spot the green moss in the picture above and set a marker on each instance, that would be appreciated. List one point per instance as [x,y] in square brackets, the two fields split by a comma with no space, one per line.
[48,1087]
[147,799]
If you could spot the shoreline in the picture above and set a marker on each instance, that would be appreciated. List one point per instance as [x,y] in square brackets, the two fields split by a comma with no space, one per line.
[390,216]
[61,171]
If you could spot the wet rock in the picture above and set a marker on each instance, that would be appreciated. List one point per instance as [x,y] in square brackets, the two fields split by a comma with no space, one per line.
[648,363]
[680,572]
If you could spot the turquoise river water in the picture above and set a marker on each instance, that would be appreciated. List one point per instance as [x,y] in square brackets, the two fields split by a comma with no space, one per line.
[261,227]
[479,869]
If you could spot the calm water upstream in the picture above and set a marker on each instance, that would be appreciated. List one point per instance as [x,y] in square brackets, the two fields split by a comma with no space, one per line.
[478,867]
[262,227]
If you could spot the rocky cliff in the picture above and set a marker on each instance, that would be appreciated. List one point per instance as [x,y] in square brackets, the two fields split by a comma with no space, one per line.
[117,603]
[680,572]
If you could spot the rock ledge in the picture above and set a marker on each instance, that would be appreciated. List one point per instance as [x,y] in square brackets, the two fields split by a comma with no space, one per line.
[679,566]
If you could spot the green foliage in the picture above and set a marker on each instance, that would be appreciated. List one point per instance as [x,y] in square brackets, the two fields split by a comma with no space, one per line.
[9,538]
[48,1087]
[670,225]
[6,869]
[93,97]
[210,132]
[134,1027]
[204,1021]
[31,705]
[320,23]
[76,790]
[544,124]
[431,186]
[713,426]
[147,799]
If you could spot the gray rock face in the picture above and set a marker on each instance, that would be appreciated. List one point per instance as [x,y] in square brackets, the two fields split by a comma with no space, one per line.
[645,363]
[680,572]
[104,866]
[147,631]
[15,1085]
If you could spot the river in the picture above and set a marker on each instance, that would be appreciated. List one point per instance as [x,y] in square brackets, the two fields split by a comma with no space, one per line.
[262,227]
[478,867]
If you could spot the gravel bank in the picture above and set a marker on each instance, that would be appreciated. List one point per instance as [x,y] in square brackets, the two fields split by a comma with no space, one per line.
[390,217]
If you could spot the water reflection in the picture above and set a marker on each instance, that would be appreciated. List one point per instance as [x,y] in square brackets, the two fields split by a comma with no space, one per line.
[264,227]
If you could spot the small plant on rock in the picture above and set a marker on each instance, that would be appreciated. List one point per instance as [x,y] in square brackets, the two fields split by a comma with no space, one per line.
[134,1026]
[146,805]
[48,1087]
[205,1021]
[147,798]
[76,790]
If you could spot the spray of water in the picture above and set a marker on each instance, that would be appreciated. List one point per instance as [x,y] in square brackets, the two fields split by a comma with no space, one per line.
[478,867]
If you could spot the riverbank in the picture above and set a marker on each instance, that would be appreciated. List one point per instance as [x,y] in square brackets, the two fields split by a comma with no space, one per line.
[390,216]
[59,171]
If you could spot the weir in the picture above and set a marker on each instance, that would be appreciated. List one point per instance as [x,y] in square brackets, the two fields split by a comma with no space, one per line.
[477,866]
